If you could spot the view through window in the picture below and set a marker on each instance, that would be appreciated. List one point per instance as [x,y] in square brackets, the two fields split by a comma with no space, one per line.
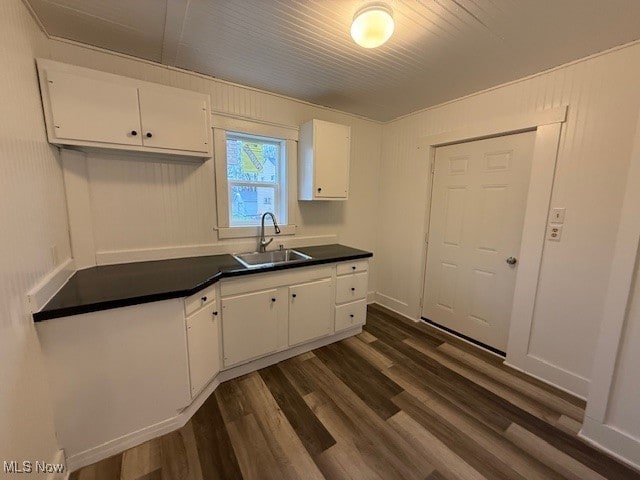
[255,174]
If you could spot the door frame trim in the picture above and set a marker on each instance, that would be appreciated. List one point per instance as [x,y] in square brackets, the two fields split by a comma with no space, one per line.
[547,125]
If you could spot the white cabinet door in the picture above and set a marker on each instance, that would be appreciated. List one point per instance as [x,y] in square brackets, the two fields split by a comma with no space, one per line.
[332,149]
[309,310]
[91,110]
[174,120]
[203,346]
[249,326]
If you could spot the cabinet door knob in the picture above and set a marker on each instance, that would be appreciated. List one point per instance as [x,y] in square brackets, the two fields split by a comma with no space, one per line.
[149,134]
[294,295]
[353,289]
[134,133]
[319,189]
[353,268]
[215,314]
[204,299]
[273,299]
[351,315]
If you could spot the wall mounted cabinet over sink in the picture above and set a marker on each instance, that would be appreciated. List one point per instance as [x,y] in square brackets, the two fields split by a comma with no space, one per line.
[92,109]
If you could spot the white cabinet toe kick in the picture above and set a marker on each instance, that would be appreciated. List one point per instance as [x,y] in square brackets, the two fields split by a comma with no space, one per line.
[120,377]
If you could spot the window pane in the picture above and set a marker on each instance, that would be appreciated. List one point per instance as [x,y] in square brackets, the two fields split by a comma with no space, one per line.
[249,203]
[252,160]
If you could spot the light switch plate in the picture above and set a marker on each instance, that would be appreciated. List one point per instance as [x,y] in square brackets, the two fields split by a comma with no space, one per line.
[554,232]
[557,215]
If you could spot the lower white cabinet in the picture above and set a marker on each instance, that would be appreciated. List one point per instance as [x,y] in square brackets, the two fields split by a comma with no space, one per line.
[203,345]
[351,314]
[309,310]
[249,325]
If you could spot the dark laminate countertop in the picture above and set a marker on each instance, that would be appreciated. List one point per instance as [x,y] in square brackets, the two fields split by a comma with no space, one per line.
[113,286]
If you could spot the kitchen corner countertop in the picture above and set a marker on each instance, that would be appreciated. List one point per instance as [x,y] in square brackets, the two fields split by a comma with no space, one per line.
[113,286]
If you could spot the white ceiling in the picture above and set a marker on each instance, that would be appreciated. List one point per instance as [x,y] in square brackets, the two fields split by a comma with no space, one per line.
[441,49]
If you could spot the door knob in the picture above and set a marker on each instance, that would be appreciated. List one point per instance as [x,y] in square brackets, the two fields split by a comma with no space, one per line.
[512,260]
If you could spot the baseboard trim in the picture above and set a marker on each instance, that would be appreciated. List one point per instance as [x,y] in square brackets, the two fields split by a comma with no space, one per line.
[49,285]
[607,438]
[118,445]
[393,304]
[549,374]
[110,257]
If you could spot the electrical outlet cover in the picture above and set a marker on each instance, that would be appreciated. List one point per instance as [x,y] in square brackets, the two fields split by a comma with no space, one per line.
[554,232]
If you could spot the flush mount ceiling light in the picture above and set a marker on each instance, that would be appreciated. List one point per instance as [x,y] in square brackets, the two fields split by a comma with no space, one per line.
[372,25]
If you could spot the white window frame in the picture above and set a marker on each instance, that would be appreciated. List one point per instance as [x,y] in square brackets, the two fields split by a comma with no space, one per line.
[288,136]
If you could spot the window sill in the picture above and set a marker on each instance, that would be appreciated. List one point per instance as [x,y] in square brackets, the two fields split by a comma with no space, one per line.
[246,232]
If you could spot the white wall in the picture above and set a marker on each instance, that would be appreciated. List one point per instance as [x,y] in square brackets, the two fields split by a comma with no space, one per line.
[593,158]
[625,393]
[32,220]
[611,419]
[147,204]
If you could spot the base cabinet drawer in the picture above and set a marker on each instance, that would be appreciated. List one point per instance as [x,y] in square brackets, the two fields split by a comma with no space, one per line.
[203,346]
[351,314]
[351,287]
[356,266]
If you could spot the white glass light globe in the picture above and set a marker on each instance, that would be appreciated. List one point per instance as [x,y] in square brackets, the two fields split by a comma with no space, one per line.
[372,26]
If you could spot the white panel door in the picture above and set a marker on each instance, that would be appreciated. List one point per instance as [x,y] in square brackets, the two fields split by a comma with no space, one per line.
[204,350]
[477,214]
[249,326]
[332,149]
[310,309]
[174,120]
[91,110]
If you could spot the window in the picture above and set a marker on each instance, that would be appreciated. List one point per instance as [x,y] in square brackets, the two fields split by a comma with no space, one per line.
[255,172]
[256,178]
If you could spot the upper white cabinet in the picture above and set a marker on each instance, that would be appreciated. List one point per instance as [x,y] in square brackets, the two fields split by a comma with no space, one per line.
[324,152]
[176,121]
[88,108]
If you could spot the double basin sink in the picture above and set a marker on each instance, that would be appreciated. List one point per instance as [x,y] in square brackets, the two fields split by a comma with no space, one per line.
[268,259]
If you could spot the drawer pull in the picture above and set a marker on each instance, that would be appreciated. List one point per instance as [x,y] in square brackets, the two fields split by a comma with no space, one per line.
[294,295]
[204,299]
[353,289]
[351,315]
[215,314]
[273,299]
[353,268]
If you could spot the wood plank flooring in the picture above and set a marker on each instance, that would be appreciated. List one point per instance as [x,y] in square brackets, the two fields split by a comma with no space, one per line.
[399,401]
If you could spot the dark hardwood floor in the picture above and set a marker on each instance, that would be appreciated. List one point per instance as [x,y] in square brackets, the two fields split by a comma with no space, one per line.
[399,401]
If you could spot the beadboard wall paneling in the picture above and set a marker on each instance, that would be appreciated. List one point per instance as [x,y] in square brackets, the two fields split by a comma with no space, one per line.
[159,203]
[33,219]
[595,146]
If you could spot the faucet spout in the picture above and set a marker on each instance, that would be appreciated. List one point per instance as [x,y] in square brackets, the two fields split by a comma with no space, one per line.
[262,245]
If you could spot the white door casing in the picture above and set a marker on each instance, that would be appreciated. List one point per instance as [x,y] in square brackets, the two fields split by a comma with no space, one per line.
[477,215]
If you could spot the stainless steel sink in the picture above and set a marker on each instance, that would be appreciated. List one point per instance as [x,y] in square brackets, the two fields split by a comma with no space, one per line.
[275,257]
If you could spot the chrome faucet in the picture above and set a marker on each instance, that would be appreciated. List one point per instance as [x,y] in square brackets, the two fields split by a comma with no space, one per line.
[262,247]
